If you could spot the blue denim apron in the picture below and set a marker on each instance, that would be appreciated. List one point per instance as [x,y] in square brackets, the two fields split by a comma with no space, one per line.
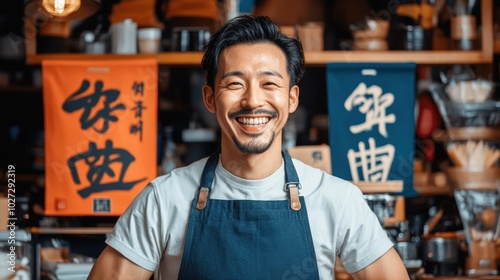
[248,239]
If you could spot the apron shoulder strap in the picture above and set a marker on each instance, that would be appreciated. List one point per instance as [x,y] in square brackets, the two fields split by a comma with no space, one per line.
[207,178]
[292,185]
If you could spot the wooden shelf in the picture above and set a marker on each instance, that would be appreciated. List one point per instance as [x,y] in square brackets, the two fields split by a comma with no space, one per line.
[433,190]
[16,88]
[320,58]
[72,230]
[419,57]
[380,187]
[168,58]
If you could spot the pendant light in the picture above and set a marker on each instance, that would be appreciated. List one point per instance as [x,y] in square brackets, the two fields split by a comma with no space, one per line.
[61,9]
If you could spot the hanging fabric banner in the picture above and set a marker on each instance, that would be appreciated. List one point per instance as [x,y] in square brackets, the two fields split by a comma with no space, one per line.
[371,122]
[100,134]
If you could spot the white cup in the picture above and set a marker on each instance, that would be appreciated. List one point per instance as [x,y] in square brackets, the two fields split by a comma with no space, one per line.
[124,37]
[149,39]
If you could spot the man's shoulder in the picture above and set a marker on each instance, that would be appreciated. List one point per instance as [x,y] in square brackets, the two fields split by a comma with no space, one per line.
[194,168]
[185,177]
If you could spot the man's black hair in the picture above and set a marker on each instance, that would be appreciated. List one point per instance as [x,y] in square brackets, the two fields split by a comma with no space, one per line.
[249,29]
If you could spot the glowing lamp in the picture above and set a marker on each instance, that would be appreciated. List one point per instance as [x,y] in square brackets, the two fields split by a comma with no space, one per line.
[61,9]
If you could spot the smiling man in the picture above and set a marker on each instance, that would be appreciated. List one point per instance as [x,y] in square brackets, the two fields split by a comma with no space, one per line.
[249,211]
[251,99]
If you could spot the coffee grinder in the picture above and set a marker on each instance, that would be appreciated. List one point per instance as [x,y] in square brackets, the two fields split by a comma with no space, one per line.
[479,208]
[472,141]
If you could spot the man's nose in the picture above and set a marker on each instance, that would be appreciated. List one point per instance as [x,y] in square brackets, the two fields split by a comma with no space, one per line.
[253,97]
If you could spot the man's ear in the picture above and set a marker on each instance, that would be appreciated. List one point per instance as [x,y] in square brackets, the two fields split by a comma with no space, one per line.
[293,99]
[208,98]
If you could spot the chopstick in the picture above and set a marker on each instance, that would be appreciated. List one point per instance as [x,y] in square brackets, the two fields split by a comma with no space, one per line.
[473,154]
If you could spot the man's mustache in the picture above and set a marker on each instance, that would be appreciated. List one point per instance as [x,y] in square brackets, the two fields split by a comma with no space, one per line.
[246,111]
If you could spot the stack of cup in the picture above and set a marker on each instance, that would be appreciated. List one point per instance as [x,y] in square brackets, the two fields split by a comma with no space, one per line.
[149,40]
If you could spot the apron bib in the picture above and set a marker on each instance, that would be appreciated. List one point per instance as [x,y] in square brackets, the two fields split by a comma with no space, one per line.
[247,239]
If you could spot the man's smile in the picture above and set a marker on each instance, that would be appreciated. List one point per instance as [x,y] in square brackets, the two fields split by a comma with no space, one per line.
[253,121]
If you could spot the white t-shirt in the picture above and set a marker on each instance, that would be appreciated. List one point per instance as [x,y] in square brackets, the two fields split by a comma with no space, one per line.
[151,232]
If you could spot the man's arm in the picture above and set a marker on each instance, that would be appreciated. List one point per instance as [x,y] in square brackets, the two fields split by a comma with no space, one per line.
[113,265]
[388,266]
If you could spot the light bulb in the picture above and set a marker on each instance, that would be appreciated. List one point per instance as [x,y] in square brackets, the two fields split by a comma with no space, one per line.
[61,8]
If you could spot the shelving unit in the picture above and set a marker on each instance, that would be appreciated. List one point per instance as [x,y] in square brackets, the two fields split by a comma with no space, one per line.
[39,233]
[320,58]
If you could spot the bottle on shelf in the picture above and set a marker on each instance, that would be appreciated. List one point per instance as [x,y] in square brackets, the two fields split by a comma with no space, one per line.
[463,25]
[170,156]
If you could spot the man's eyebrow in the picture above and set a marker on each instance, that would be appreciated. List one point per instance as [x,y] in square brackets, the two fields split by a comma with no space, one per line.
[270,72]
[264,72]
[232,73]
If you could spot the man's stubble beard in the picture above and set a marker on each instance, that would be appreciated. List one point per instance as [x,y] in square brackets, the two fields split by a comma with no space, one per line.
[254,148]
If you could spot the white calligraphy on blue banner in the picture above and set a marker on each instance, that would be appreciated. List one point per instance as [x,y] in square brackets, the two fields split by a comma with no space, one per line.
[372,103]
[372,122]
[373,162]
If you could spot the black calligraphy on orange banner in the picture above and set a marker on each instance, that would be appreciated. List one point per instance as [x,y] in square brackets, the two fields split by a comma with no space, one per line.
[138,88]
[101,123]
[137,128]
[99,161]
[79,100]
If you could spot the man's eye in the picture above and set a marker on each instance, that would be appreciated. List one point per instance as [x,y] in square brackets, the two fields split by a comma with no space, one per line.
[270,84]
[234,85]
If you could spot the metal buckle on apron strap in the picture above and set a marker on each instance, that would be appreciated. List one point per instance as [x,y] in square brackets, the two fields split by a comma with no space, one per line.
[293,190]
[202,198]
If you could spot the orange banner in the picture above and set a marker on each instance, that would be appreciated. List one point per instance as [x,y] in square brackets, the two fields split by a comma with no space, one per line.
[100,134]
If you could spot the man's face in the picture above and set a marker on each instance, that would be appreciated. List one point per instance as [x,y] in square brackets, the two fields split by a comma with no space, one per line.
[251,97]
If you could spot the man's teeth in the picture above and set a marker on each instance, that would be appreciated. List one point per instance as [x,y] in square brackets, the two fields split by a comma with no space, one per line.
[253,121]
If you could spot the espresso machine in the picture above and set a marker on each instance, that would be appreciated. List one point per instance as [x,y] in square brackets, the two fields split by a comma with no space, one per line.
[472,142]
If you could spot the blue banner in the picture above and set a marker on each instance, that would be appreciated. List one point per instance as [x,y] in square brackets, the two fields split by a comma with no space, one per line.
[371,108]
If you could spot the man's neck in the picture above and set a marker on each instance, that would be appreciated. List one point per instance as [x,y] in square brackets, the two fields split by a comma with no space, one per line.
[251,166]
